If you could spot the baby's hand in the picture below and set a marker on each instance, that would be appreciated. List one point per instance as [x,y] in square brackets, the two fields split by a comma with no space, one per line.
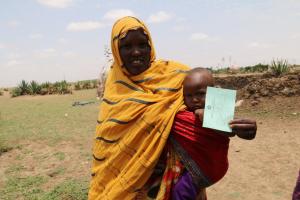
[199,113]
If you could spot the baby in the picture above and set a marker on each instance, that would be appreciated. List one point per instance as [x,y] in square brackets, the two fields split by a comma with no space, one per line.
[202,151]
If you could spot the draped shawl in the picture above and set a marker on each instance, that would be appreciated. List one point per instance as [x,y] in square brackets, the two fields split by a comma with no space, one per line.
[134,122]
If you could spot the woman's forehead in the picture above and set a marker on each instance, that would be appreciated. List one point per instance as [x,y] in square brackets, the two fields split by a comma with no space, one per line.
[132,34]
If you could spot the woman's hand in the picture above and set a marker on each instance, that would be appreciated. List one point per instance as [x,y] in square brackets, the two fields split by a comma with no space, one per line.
[244,128]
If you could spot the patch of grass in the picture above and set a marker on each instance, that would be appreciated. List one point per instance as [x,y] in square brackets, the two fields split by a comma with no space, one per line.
[44,118]
[57,171]
[4,147]
[23,188]
[14,169]
[68,190]
[60,155]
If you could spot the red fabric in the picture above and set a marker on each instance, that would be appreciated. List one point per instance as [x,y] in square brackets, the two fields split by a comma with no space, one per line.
[206,147]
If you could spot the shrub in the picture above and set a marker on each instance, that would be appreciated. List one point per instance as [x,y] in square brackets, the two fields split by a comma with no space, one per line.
[46,88]
[62,87]
[16,92]
[279,67]
[24,87]
[1,93]
[256,68]
[86,85]
[34,88]
[77,85]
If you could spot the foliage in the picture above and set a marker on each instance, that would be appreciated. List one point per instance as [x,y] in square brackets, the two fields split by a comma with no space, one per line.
[256,68]
[24,87]
[1,93]
[34,88]
[279,67]
[46,88]
[16,92]
[87,84]
[62,87]
[77,85]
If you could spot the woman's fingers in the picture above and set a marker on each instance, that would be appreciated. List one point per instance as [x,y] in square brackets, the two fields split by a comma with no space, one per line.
[244,128]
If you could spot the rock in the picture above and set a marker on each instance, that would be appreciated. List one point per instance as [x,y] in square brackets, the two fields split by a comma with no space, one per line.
[254,103]
[264,92]
[287,92]
[256,96]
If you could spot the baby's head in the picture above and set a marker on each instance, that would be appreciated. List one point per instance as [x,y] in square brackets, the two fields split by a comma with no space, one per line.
[194,88]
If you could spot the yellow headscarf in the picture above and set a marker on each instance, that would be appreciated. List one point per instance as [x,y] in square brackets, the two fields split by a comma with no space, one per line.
[135,120]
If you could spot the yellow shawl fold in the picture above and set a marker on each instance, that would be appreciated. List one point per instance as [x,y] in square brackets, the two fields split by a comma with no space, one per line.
[135,120]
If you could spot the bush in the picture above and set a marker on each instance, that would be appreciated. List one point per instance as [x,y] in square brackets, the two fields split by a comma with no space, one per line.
[1,93]
[24,87]
[34,88]
[77,85]
[279,67]
[62,87]
[46,88]
[16,92]
[256,68]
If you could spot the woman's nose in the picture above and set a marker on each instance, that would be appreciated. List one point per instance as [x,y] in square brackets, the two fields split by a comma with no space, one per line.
[136,51]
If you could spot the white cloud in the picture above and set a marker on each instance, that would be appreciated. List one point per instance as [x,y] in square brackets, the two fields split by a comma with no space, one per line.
[295,36]
[69,54]
[179,28]
[13,23]
[297,14]
[35,36]
[45,53]
[117,14]
[199,36]
[12,63]
[259,45]
[84,26]
[203,37]
[2,46]
[56,3]
[62,40]
[159,17]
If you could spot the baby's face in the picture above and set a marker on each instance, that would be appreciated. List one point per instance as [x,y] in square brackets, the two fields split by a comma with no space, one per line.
[194,89]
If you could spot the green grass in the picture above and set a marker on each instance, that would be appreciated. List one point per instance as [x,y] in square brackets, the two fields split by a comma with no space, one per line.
[30,188]
[60,155]
[68,190]
[51,118]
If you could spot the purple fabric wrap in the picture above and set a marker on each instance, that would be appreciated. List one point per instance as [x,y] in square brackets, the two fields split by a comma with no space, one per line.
[184,189]
[296,194]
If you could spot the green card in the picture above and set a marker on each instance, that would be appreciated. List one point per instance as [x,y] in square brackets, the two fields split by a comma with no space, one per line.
[219,108]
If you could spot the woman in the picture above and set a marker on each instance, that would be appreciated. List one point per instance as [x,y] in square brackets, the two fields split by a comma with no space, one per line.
[141,98]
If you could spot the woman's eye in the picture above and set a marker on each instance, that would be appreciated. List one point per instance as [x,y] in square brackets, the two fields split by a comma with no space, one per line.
[125,46]
[144,45]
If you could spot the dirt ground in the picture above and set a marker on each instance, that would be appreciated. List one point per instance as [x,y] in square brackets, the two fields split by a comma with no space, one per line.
[262,169]
[267,167]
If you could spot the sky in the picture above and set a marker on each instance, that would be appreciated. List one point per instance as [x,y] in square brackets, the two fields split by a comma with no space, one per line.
[54,40]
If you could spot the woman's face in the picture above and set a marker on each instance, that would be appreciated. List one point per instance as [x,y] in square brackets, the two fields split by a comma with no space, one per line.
[135,52]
